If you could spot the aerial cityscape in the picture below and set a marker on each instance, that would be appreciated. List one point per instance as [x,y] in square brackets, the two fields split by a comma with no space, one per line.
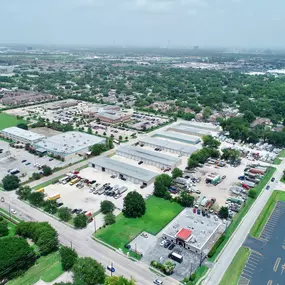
[126,161]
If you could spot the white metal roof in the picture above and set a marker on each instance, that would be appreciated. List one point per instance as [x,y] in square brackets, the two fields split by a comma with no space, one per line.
[28,135]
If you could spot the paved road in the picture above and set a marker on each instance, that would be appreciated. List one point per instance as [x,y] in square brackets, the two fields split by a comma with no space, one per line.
[85,245]
[220,266]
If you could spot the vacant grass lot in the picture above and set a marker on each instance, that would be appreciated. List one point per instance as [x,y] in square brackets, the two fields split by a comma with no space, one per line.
[7,121]
[158,214]
[239,216]
[47,268]
[277,161]
[282,153]
[234,271]
[266,212]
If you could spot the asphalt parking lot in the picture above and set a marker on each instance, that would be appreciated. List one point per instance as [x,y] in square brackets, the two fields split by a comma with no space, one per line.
[266,263]
[14,160]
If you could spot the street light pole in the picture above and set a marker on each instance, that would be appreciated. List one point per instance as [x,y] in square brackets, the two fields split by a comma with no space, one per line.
[111,269]
[95,224]
[10,212]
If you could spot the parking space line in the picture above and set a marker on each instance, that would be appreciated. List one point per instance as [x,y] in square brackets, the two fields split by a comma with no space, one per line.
[247,275]
[276,265]
[246,270]
[250,266]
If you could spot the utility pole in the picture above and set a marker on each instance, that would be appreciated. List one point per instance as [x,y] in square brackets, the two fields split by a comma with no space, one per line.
[10,212]
[111,269]
[71,244]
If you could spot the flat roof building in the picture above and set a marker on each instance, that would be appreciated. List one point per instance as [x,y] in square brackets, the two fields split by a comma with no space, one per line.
[19,135]
[204,126]
[178,137]
[132,173]
[168,146]
[193,232]
[69,143]
[182,129]
[149,157]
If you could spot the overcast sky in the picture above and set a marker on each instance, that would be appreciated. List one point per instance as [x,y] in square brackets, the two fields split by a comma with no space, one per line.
[207,23]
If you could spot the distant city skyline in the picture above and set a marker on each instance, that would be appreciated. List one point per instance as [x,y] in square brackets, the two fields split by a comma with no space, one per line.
[144,23]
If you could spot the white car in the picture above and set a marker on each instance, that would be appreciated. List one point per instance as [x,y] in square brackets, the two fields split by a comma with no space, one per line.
[163,242]
[157,281]
[13,211]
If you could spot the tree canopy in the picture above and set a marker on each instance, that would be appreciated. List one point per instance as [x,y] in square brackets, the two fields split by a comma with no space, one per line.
[68,257]
[176,172]
[10,182]
[134,205]
[107,207]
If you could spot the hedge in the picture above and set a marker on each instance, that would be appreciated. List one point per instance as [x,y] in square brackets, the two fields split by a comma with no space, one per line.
[216,245]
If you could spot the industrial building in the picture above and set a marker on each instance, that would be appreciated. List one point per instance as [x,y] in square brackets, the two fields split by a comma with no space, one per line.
[113,117]
[168,146]
[126,171]
[193,232]
[182,129]
[203,126]
[149,157]
[178,137]
[69,144]
[19,135]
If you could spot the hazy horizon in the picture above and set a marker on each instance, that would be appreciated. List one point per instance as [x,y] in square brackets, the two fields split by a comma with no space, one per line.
[144,23]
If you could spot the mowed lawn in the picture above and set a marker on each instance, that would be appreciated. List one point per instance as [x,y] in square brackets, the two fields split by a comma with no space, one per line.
[158,214]
[47,268]
[234,271]
[7,121]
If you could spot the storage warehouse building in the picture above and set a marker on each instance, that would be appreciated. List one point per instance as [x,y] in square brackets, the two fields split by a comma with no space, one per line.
[69,144]
[178,137]
[204,126]
[149,157]
[182,129]
[19,135]
[169,146]
[132,173]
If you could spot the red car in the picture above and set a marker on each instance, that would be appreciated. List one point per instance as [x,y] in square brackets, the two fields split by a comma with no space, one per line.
[75,172]
[194,210]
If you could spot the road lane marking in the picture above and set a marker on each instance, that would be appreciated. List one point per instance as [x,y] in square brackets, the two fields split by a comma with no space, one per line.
[276,265]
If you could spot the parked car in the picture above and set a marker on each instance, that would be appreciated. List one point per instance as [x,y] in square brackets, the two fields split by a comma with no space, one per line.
[157,281]
[194,210]
[267,187]
[162,243]
[24,160]
[28,163]
[59,204]
[13,211]
[272,179]
[74,211]
[140,162]
[167,244]
[171,246]
[198,211]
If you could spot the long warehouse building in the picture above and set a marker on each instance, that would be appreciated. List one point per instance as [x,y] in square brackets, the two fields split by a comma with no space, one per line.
[168,146]
[182,129]
[204,126]
[178,137]
[124,170]
[149,157]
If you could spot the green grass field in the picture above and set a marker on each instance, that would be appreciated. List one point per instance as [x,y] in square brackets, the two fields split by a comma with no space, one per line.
[277,161]
[266,212]
[47,268]
[238,217]
[200,272]
[158,214]
[234,271]
[7,121]
[282,153]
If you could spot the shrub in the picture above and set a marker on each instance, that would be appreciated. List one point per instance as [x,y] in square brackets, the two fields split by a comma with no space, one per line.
[216,245]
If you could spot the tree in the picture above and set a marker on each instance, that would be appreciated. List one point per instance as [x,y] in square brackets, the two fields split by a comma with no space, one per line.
[50,206]
[4,230]
[161,184]
[249,116]
[15,251]
[134,205]
[185,199]
[89,130]
[230,154]
[209,141]
[46,170]
[176,172]
[64,214]
[68,257]
[36,176]
[107,207]
[97,149]
[24,192]
[89,271]
[252,193]
[10,182]
[224,212]
[118,280]
[207,112]
[80,221]
[109,219]
[22,126]
[37,198]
